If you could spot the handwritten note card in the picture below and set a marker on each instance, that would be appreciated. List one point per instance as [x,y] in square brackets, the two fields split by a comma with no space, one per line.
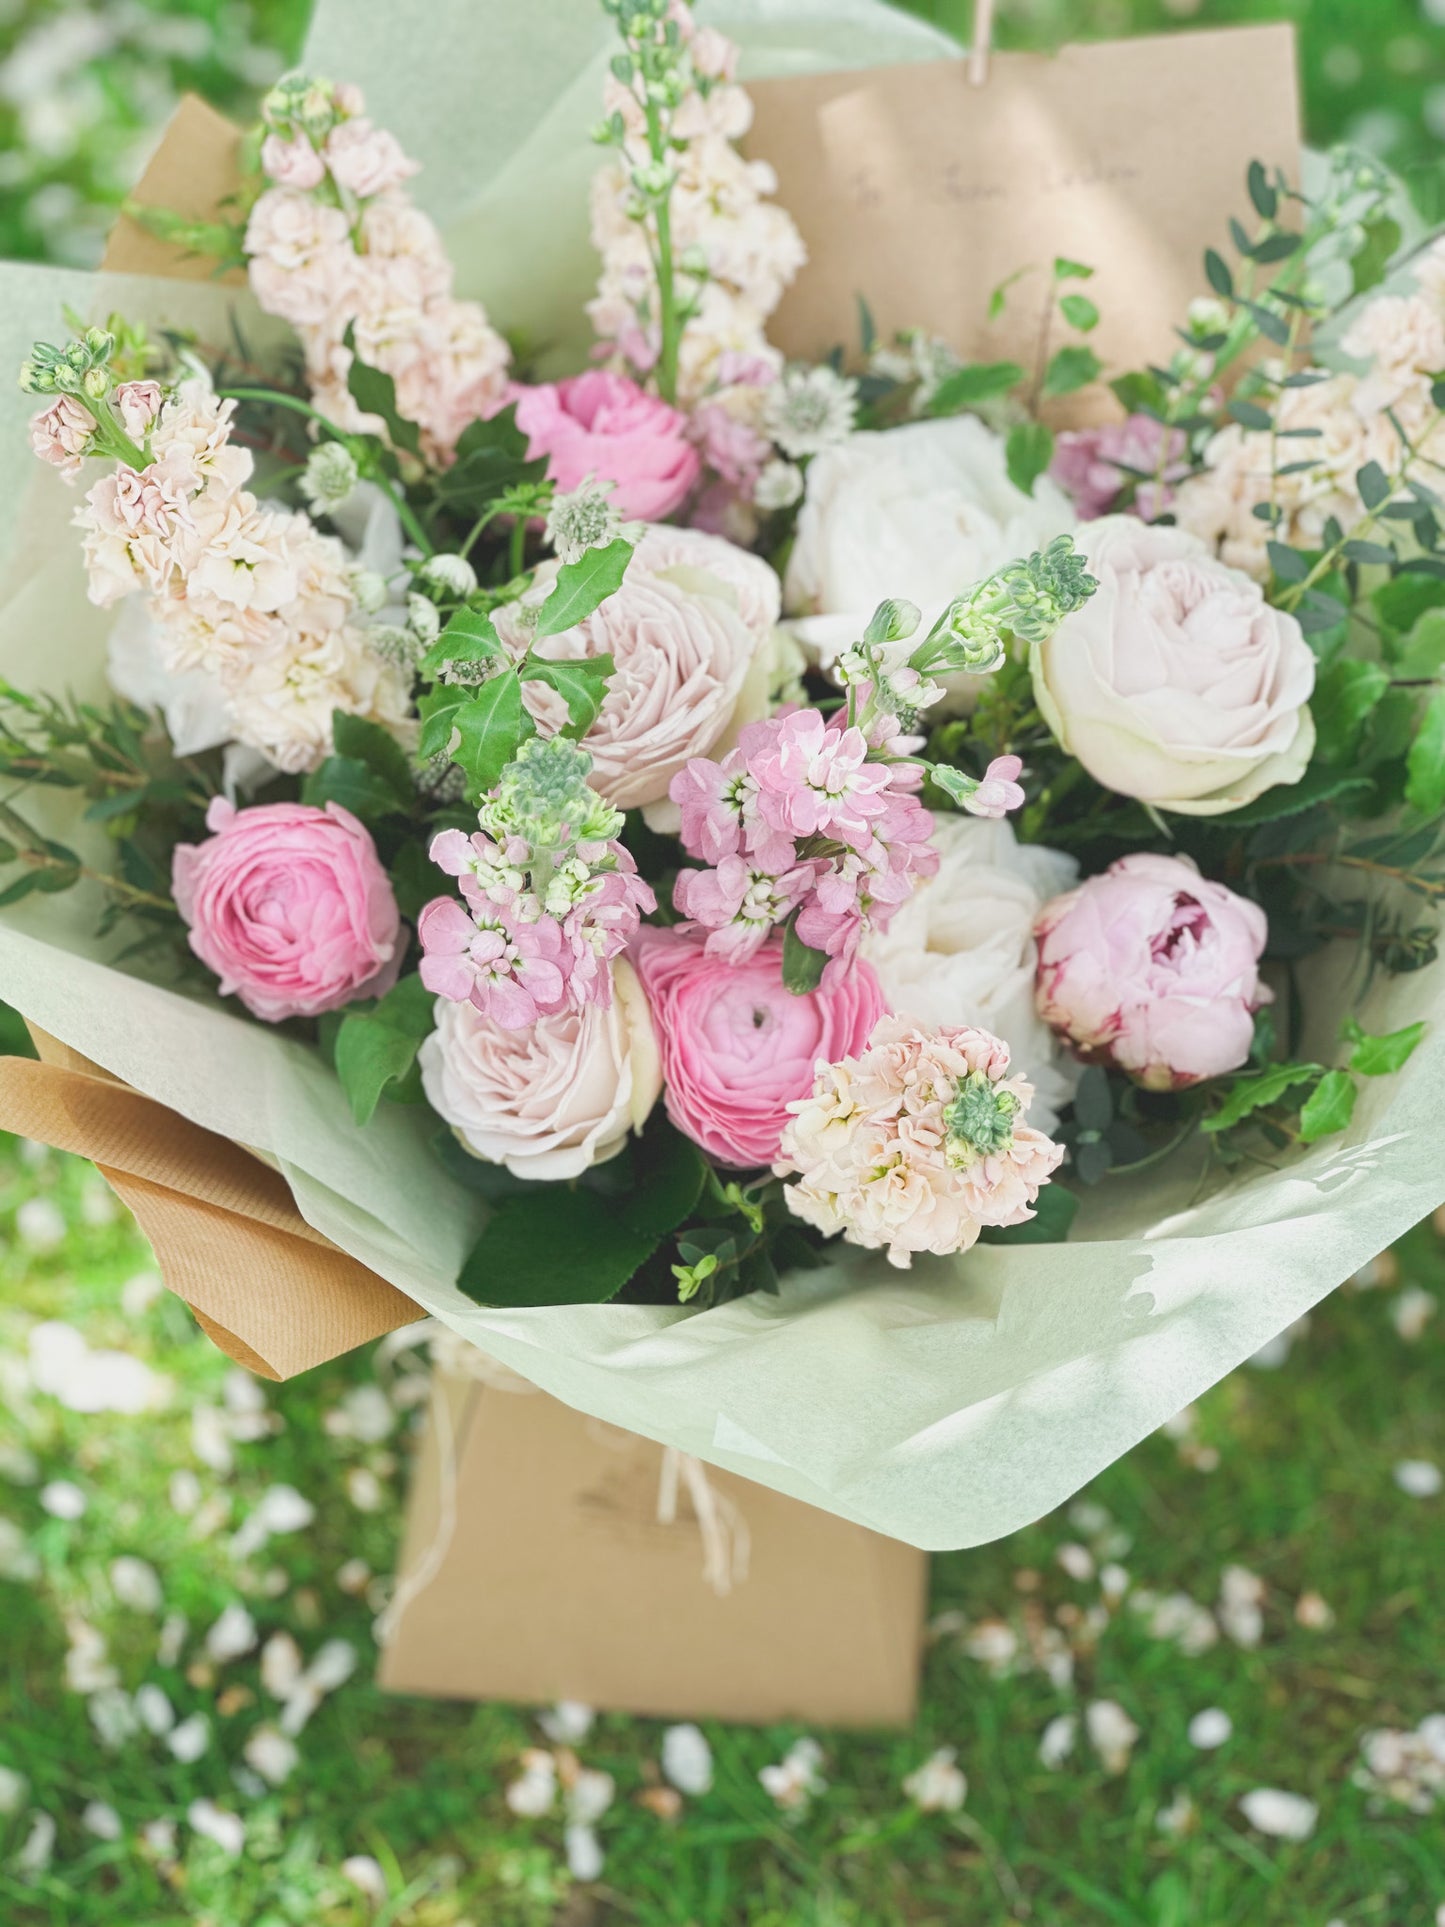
[922,193]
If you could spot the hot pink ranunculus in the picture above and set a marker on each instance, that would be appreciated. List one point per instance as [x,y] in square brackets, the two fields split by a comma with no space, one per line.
[605,426]
[290,907]
[1152,967]
[737,1048]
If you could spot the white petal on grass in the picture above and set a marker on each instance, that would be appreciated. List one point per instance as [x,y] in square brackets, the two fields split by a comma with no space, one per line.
[233,1634]
[1281,1815]
[1210,1728]
[184,1491]
[34,1857]
[154,1710]
[796,1778]
[139,1293]
[534,1791]
[136,1584]
[567,1723]
[190,1739]
[364,1489]
[113,1716]
[1419,1478]
[687,1759]
[366,1875]
[98,1206]
[1113,1582]
[271,1754]
[1111,1734]
[40,1225]
[1412,1311]
[63,1366]
[63,1499]
[18,1464]
[101,1820]
[280,1509]
[1241,1606]
[1076,1560]
[281,1665]
[1314,1612]
[584,1853]
[365,1414]
[211,1439]
[87,1665]
[939,1785]
[1056,1742]
[227,1829]
[14,1787]
[169,1646]
[160,1837]
[1181,1816]
[17,1561]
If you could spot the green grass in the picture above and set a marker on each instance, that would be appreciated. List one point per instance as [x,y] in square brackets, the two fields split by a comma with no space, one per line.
[1303,1496]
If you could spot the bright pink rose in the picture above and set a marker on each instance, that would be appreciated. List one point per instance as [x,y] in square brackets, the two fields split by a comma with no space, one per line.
[1153,968]
[1092,465]
[737,1048]
[290,907]
[605,426]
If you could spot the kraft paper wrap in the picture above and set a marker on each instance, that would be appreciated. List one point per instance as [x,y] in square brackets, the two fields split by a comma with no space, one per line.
[944,1406]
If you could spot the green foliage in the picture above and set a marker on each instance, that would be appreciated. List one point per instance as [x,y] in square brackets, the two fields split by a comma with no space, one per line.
[1247,1095]
[583,586]
[367,772]
[803,966]
[1028,452]
[491,459]
[1329,1107]
[978,381]
[375,393]
[376,1048]
[1070,369]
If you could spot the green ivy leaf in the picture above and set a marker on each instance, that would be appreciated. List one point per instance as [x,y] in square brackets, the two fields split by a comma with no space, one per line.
[490,726]
[1329,1108]
[979,381]
[1381,1056]
[1028,452]
[1401,602]
[1248,1094]
[1071,369]
[583,586]
[803,966]
[1425,763]
[582,684]
[378,1047]
[375,394]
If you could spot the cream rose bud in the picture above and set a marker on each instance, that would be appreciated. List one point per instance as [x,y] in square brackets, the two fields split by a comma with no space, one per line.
[1176,682]
[961,949]
[924,511]
[690,634]
[550,1101]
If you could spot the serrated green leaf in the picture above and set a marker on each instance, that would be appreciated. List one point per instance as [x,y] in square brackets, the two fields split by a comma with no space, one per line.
[489,728]
[1071,369]
[1248,1094]
[1028,452]
[347,781]
[979,381]
[1425,763]
[491,458]
[582,685]
[1381,1056]
[470,636]
[438,712]
[583,586]
[1329,1108]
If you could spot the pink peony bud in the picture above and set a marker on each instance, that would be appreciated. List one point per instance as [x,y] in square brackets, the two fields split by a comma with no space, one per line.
[1155,969]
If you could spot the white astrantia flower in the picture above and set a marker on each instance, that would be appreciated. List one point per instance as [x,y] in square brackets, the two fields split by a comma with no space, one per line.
[329,477]
[448,576]
[586,518]
[809,409]
[423,620]
[778,486]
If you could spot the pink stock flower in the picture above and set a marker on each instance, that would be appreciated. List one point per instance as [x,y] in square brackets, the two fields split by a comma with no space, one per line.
[292,163]
[604,426]
[603,924]
[513,973]
[1000,791]
[737,1048]
[816,780]
[1152,967]
[366,160]
[916,1142]
[138,403]
[289,906]
[730,445]
[60,435]
[1093,465]
[740,905]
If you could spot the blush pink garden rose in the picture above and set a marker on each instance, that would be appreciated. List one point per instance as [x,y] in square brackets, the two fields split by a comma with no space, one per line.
[737,1048]
[290,907]
[604,426]
[1176,682]
[552,1099]
[1155,969]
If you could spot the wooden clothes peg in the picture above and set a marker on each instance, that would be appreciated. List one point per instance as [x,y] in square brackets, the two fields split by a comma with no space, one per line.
[979,51]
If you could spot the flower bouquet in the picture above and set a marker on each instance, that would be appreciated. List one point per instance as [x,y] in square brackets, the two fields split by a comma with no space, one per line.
[811,914]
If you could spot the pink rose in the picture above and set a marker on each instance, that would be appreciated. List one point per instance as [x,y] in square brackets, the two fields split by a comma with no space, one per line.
[60,434]
[1091,465]
[365,160]
[1153,968]
[290,907]
[604,425]
[292,163]
[737,1048]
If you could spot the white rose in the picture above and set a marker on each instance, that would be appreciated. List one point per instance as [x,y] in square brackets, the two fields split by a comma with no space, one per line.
[1176,682]
[961,949]
[924,512]
[550,1101]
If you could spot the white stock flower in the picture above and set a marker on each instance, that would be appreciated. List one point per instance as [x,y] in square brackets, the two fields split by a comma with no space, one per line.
[329,477]
[1176,682]
[778,486]
[922,512]
[961,949]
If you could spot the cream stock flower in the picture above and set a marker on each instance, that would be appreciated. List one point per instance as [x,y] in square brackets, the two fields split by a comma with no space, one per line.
[551,1100]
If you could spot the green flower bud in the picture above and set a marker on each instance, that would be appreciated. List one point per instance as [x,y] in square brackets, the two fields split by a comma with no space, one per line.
[980,1120]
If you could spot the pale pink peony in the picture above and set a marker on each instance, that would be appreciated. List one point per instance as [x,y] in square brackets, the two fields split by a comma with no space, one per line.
[1092,465]
[554,1098]
[289,906]
[292,163]
[1153,968]
[604,426]
[737,1048]
[916,1142]
[366,160]
[60,435]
